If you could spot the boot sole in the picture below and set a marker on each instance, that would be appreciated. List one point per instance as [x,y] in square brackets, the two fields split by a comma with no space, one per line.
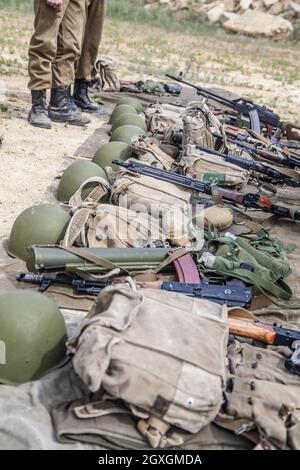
[42,126]
[72,123]
[92,112]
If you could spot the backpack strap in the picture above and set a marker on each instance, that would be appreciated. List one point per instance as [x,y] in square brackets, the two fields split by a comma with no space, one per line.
[155,432]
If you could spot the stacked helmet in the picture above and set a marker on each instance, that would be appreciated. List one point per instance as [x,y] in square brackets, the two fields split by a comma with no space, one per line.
[32,336]
[109,152]
[131,120]
[120,110]
[134,102]
[43,224]
[125,134]
[74,176]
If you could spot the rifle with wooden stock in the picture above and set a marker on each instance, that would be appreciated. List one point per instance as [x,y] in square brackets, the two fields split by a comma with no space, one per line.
[233,293]
[248,200]
[253,166]
[258,115]
[269,335]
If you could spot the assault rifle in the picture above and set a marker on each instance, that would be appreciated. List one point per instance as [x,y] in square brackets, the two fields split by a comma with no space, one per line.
[272,335]
[274,157]
[258,115]
[233,293]
[248,200]
[79,285]
[251,165]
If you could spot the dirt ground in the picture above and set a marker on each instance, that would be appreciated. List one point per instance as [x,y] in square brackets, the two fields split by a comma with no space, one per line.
[31,158]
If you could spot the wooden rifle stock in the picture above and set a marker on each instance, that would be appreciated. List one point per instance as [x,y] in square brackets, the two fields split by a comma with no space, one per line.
[251,329]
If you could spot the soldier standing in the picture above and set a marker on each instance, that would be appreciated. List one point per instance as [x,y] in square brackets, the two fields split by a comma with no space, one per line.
[94,19]
[54,49]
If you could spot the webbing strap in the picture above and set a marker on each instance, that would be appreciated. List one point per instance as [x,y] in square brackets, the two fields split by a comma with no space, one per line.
[95,259]
[170,259]
[237,427]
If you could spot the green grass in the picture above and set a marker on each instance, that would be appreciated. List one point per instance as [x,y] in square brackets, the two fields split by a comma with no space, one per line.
[19,5]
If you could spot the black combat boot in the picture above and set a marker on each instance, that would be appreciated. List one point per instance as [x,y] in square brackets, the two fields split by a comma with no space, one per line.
[62,108]
[38,115]
[82,99]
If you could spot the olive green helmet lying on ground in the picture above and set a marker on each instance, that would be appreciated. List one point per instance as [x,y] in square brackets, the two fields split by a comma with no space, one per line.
[134,102]
[131,120]
[43,224]
[32,335]
[74,176]
[125,134]
[109,152]
[120,110]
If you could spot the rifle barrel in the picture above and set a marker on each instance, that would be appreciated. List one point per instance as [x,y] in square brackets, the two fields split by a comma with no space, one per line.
[203,91]
[252,165]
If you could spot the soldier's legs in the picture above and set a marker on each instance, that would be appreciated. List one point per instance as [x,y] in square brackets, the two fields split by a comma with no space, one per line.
[69,40]
[42,50]
[95,14]
[43,44]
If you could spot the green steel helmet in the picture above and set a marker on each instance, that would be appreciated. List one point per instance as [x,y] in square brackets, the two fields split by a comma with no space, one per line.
[109,152]
[119,110]
[134,102]
[131,120]
[74,176]
[43,224]
[32,336]
[125,134]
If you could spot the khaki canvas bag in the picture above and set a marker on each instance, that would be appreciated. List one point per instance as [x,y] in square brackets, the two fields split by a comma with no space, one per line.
[146,150]
[264,394]
[160,352]
[109,226]
[139,191]
[162,117]
[198,124]
[104,75]
[162,200]
[209,168]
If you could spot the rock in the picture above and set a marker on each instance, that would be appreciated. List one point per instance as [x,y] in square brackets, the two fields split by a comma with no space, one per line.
[269,3]
[228,15]
[245,5]
[295,7]
[230,5]
[215,13]
[277,8]
[257,23]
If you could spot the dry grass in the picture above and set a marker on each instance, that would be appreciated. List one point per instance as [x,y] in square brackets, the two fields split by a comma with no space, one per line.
[257,68]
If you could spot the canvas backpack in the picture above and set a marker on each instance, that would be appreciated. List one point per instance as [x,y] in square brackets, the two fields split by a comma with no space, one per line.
[108,226]
[198,124]
[161,353]
[162,117]
[263,399]
[205,167]
[146,150]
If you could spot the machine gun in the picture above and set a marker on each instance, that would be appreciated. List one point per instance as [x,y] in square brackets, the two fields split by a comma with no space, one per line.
[272,335]
[251,165]
[233,293]
[248,200]
[258,115]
